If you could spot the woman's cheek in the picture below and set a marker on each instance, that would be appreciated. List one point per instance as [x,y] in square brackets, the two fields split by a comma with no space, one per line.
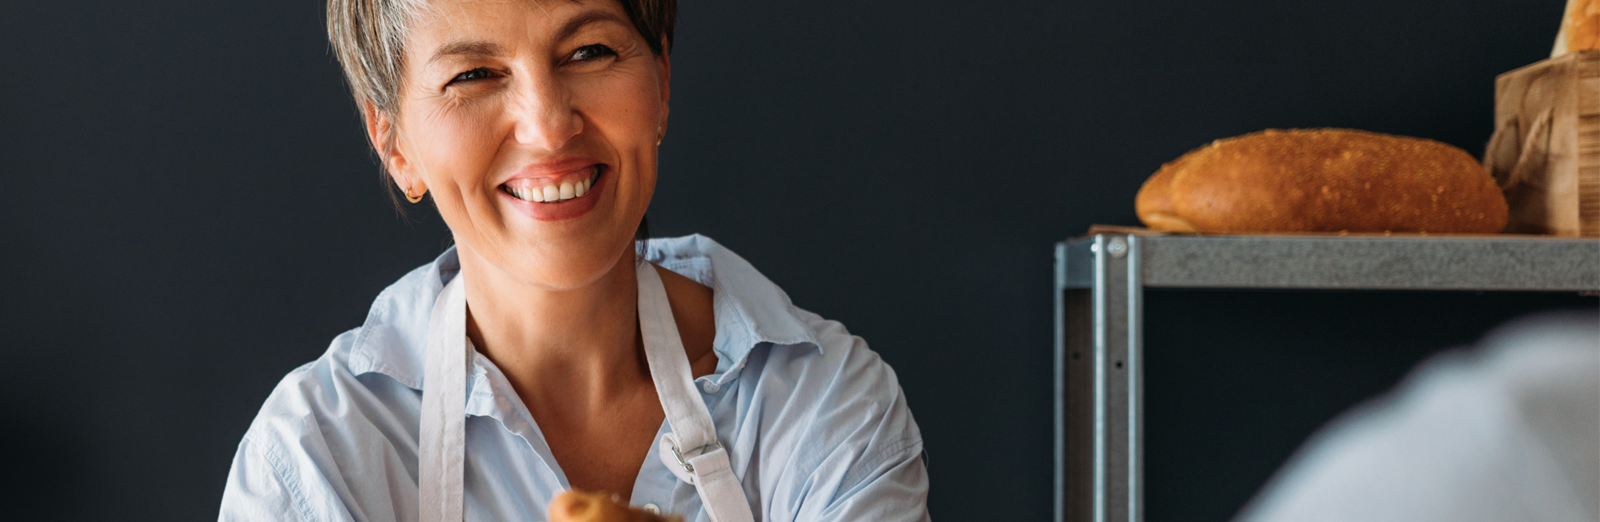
[628,101]
[466,146]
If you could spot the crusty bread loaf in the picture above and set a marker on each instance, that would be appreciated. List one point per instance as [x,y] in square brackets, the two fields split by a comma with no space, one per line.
[1323,180]
[1154,202]
[578,506]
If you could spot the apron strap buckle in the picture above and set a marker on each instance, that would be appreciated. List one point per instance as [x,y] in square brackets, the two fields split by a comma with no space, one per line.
[678,461]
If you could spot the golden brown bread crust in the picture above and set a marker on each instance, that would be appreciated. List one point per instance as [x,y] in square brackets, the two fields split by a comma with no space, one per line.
[579,506]
[1324,180]
[1154,202]
[1583,25]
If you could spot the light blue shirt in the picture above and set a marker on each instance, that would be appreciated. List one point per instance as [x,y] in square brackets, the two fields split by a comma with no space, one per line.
[815,423]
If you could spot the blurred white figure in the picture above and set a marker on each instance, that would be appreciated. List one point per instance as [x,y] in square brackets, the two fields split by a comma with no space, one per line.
[1509,431]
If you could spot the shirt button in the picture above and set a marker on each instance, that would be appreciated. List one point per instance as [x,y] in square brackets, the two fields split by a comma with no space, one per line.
[652,509]
[710,387]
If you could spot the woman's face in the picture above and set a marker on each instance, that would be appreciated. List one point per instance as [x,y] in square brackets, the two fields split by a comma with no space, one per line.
[534,125]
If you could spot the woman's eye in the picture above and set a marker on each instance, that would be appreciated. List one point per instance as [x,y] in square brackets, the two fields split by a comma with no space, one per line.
[591,52]
[475,74]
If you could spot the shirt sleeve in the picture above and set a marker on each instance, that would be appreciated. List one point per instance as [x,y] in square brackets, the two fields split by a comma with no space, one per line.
[861,455]
[891,487]
[257,491]
[315,453]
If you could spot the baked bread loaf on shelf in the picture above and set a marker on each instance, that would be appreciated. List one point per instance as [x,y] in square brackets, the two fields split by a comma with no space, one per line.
[1323,180]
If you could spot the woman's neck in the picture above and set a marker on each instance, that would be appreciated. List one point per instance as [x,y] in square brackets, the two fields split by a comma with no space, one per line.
[564,349]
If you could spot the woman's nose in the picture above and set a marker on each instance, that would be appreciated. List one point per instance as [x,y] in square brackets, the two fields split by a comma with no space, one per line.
[545,116]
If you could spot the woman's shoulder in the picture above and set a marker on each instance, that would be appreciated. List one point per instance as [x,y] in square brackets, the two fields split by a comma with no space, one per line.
[836,374]
[753,314]
[796,368]
[325,399]
[835,421]
[322,426]
[365,388]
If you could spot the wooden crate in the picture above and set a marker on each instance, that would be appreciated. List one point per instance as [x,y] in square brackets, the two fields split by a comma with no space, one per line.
[1545,151]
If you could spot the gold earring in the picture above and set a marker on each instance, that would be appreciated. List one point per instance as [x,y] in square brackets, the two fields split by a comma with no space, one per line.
[415,198]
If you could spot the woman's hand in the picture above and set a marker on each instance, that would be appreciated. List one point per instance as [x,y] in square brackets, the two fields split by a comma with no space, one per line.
[577,506]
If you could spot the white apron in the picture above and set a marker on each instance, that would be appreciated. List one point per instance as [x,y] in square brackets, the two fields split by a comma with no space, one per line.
[691,450]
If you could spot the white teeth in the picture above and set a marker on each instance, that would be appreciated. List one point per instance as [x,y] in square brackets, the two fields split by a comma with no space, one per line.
[553,193]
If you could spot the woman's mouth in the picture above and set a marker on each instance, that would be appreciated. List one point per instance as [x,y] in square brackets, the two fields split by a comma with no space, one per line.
[555,192]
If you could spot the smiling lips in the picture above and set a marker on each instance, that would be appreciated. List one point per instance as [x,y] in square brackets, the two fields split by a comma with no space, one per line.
[555,192]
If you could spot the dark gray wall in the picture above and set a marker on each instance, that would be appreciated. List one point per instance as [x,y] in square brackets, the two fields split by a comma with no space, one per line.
[190,212]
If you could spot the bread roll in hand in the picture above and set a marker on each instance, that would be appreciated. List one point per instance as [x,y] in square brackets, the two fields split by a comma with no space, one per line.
[577,506]
[1323,180]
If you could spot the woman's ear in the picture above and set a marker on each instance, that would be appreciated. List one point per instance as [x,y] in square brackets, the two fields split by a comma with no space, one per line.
[380,131]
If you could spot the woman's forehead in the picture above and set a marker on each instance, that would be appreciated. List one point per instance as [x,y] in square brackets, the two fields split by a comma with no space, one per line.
[456,11]
[444,21]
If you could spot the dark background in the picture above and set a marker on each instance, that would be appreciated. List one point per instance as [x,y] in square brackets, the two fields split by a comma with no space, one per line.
[191,212]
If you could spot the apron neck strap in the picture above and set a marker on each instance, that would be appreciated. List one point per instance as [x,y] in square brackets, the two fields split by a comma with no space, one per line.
[696,455]
[691,451]
[669,366]
[441,445]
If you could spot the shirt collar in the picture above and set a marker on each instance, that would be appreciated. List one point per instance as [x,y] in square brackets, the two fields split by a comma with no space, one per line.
[750,310]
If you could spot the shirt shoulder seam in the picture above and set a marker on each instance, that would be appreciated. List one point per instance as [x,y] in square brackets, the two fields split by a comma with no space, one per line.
[869,464]
[274,458]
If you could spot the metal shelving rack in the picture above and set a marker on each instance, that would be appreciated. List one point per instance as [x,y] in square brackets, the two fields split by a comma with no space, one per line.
[1100,282]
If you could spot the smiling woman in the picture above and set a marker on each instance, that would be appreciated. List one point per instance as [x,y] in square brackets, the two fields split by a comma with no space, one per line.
[547,350]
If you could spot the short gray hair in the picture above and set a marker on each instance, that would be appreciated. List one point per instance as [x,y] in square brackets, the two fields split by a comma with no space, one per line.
[368,38]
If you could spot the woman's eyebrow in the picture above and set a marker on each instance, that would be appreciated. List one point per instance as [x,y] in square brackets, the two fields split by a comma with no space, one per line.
[585,18]
[473,48]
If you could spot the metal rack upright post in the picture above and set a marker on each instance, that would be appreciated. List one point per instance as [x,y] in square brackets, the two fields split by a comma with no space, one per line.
[1100,281]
